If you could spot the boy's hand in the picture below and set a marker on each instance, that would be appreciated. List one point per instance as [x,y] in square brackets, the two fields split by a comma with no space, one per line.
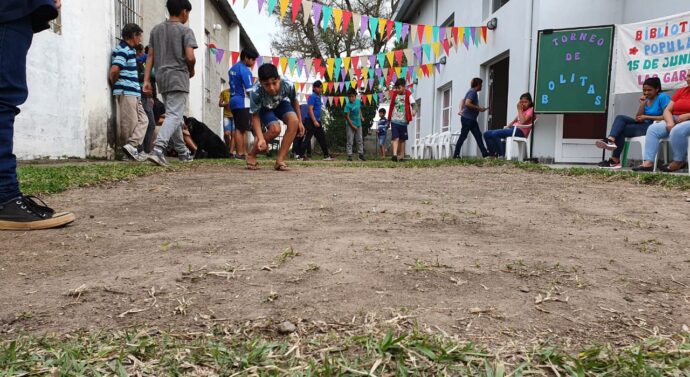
[300,130]
[191,73]
[148,90]
[261,145]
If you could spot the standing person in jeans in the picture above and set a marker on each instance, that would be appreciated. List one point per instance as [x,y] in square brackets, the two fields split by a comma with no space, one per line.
[19,20]
[400,116]
[241,86]
[651,109]
[312,121]
[353,124]
[469,112]
[124,78]
[171,53]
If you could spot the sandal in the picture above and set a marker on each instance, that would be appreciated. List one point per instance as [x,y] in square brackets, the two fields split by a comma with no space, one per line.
[673,167]
[281,167]
[254,166]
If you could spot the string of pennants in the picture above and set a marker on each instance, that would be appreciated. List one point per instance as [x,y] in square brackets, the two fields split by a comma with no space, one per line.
[367,99]
[326,16]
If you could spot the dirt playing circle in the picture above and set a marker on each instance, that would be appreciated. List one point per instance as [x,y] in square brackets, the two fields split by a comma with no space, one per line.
[494,253]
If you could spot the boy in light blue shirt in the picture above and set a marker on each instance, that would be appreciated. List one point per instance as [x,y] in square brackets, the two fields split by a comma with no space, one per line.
[353,124]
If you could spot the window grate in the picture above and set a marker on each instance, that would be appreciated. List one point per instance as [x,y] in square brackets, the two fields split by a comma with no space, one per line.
[127,12]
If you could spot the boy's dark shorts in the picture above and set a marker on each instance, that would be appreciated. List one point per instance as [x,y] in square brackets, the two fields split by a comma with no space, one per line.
[399,132]
[242,120]
[268,117]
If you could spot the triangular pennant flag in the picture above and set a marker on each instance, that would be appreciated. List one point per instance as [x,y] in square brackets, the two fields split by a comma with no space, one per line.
[418,54]
[381,57]
[425,70]
[429,33]
[379,72]
[405,32]
[342,101]
[355,63]
[347,16]
[346,63]
[365,73]
[485,34]
[330,87]
[390,25]
[371,84]
[261,4]
[427,50]
[420,33]
[356,22]
[327,12]
[271,6]
[399,57]
[382,27]
[330,64]
[347,85]
[316,12]
[283,64]
[365,25]
[372,61]
[341,86]
[283,7]
[343,73]
[370,97]
[398,71]
[442,34]
[409,55]
[390,56]
[373,26]
[398,31]
[380,98]
[405,73]
[291,65]
[259,61]
[438,67]
[300,66]
[413,74]
[219,55]
[364,100]
[275,61]
[306,11]
[337,64]
[446,46]
[436,46]
[296,4]
[475,37]
[246,2]
[455,32]
[337,18]
[235,57]
[435,31]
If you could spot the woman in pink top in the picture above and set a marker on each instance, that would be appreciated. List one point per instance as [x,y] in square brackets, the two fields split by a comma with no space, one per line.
[523,123]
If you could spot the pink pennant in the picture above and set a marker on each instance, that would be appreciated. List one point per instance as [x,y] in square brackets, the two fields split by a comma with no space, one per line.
[235,57]
[296,5]
[347,16]
[420,32]
[389,28]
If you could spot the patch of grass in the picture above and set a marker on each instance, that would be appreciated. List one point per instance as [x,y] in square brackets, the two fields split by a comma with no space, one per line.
[374,351]
[50,179]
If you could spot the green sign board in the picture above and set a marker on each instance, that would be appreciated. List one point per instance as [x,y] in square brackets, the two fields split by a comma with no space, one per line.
[573,70]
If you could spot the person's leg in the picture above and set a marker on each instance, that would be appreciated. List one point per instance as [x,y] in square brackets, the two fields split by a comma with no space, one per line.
[147,103]
[679,141]
[478,138]
[622,125]
[127,119]
[350,134]
[292,122]
[402,133]
[309,131]
[15,40]
[465,130]
[360,142]
[139,133]
[175,103]
[655,132]
[321,139]
[240,143]
[492,142]
[629,130]
[233,142]
[297,150]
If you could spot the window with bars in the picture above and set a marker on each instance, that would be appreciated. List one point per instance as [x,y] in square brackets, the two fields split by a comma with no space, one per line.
[446,109]
[418,119]
[127,12]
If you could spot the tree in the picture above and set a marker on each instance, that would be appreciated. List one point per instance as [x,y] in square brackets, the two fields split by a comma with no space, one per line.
[311,41]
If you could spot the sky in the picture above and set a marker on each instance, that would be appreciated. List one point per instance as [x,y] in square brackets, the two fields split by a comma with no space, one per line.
[258,26]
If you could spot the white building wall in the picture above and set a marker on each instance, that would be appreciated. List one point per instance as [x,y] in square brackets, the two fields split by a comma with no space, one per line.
[513,37]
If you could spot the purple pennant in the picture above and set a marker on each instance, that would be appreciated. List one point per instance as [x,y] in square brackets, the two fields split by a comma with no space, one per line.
[443,34]
[372,61]
[380,97]
[438,67]
[259,61]
[371,84]
[341,85]
[405,31]
[379,72]
[219,55]
[474,33]
[418,54]
[363,26]
[316,11]
[343,74]
[300,66]
[261,4]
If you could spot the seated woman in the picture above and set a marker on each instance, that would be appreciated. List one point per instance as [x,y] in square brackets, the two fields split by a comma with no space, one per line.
[652,105]
[676,127]
[523,123]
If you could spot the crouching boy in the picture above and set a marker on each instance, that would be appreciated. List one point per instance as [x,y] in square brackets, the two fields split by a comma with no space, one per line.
[274,99]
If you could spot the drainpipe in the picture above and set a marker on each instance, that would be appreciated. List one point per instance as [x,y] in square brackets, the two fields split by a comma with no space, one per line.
[528,66]
[433,104]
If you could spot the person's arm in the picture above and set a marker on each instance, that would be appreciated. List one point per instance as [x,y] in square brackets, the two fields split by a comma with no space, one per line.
[148,89]
[469,104]
[522,117]
[258,132]
[313,117]
[298,111]
[114,74]
[349,121]
[190,59]
[640,116]
[669,118]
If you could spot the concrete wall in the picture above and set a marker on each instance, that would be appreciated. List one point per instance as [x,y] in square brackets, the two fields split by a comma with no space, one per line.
[514,38]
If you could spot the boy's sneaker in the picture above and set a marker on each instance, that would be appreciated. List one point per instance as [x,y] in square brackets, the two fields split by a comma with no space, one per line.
[349,158]
[187,157]
[25,213]
[132,152]
[361,157]
[610,164]
[606,144]
[394,158]
[156,156]
[328,158]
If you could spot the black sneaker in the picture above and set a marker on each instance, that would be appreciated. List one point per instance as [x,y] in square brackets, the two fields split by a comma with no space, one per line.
[609,164]
[349,158]
[643,168]
[394,158]
[361,157]
[606,144]
[24,213]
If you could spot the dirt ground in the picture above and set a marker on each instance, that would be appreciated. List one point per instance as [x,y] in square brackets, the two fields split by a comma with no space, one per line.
[493,254]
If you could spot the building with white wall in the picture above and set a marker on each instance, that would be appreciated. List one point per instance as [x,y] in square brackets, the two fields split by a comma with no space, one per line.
[507,64]
[70,109]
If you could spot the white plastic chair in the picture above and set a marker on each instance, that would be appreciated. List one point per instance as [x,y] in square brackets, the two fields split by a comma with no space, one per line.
[443,145]
[418,148]
[523,144]
[429,142]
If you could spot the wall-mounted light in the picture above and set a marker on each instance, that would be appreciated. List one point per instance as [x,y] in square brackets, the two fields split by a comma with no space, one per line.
[416,81]
[443,60]
[492,24]
[217,27]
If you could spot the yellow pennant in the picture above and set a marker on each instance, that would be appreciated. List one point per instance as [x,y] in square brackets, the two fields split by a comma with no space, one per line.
[370,97]
[382,27]
[390,56]
[353,84]
[429,32]
[330,63]
[398,71]
[338,17]
[461,35]
[437,49]
[365,73]
[283,63]
[346,63]
[283,7]
[342,101]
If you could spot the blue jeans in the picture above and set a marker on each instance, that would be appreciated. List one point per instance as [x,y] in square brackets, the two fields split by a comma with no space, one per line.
[15,40]
[679,140]
[470,125]
[625,126]
[493,140]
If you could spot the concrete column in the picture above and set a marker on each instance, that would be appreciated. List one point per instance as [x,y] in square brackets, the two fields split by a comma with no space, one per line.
[196,86]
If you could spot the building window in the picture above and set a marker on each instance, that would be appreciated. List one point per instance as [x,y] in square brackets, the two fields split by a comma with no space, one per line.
[446,108]
[418,119]
[56,24]
[127,12]
[450,21]
[498,4]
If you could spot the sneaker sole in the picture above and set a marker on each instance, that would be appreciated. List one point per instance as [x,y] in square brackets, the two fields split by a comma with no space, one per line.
[58,220]
[602,145]
[157,161]
[131,155]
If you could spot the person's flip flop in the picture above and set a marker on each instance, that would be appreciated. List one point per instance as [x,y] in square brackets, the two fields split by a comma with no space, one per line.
[254,166]
[281,167]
